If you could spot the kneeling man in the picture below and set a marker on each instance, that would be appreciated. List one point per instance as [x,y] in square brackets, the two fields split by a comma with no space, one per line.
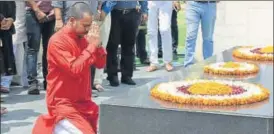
[71,51]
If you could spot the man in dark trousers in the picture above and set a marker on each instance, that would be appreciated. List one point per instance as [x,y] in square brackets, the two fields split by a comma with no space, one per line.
[141,44]
[125,19]
[40,23]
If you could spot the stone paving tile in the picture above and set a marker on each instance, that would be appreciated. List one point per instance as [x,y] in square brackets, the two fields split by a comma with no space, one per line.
[23,109]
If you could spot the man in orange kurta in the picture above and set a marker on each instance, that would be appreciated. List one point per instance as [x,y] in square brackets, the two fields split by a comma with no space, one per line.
[71,52]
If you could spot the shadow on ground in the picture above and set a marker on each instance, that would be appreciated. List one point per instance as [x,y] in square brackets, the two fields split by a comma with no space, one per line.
[6,127]
[14,98]
[17,115]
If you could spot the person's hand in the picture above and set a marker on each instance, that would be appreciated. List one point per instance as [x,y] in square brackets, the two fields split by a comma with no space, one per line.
[93,36]
[6,23]
[51,15]
[58,24]
[41,16]
[177,5]
[102,15]
[144,18]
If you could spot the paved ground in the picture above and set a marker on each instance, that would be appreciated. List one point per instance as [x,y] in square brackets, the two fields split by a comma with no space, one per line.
[24,109]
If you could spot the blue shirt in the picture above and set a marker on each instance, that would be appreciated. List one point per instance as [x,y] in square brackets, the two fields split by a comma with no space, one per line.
[108,6]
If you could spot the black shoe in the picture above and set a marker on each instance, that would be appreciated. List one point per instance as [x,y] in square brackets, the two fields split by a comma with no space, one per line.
[33,89]
[128,81]
[146,62]
[14,84]
[113,81]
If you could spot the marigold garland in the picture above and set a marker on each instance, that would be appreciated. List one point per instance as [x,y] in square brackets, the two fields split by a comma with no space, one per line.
[266,53]
[195,100]
[231,68]
[209,88]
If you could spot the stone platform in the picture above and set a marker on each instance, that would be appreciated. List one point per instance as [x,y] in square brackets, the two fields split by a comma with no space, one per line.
[135,112]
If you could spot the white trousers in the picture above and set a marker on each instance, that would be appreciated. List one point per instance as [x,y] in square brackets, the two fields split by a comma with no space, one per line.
[159,16]
[19,38]
[104,34]
[65,127]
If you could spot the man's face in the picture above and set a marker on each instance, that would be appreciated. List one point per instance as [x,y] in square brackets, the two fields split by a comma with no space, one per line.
[82,26]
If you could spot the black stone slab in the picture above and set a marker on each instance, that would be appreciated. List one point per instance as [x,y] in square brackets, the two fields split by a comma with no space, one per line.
[136,112]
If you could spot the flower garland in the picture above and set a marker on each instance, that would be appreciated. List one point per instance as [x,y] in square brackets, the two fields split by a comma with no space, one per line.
[254,53]
[231,68]
[187,92]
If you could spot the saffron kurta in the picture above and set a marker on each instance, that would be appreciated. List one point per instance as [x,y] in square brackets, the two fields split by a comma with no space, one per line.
[68,90]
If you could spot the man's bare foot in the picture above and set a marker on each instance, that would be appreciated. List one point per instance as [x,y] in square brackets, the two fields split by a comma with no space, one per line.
[152,68]
[99,87]
[168,67]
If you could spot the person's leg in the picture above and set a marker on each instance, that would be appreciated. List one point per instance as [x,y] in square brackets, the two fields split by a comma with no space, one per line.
[152,31]
[208,23]
[32,50]
[104,34]
[19,60]
[141,46]
[160,51]
[47,30]
[174,32]
[165,12]
[193,18]
[9,61]
[112,47]
[24,71]
[130,25]
[6,80]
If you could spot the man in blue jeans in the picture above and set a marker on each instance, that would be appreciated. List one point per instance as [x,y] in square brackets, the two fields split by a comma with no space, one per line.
[40,22]
[196,12]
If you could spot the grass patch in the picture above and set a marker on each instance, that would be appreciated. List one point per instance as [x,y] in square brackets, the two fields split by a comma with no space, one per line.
[182,31]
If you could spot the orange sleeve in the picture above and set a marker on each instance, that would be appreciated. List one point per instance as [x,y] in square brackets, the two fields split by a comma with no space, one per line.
[101,57]
[61,55]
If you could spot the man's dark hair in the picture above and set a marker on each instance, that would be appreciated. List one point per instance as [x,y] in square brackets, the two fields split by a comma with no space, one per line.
[78,9]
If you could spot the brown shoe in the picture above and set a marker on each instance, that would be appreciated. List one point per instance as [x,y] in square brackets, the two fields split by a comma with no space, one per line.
[168,67]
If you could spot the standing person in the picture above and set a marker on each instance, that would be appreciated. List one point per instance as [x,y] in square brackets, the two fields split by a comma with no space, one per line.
[7,17]
[40,23]
[7,61]
[125,19]
[197,12]
[72,50]
[160,11]
[174,32]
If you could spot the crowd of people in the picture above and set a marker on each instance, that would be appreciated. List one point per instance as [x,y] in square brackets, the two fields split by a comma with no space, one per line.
[81,38]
